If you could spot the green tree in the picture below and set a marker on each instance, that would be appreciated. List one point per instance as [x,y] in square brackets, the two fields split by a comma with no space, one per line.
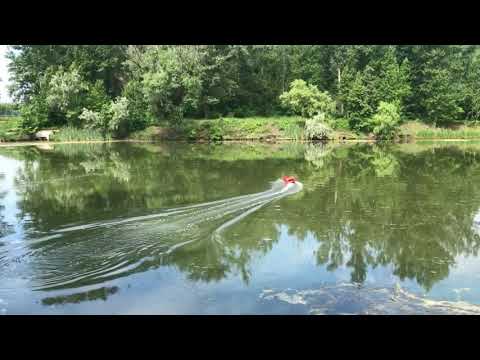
[392,82]
[218,78]
[383,78]
[94,62]
[306,100]
[170,78]
[65,92]
[433,83]
[438,77]
[385,122]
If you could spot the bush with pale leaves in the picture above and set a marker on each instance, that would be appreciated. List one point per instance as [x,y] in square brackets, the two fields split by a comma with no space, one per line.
[64,89]
[91,119]
[110,119]
[118,112]
[317,129]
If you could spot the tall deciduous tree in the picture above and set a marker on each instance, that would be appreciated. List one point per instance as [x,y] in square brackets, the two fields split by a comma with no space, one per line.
[436,84]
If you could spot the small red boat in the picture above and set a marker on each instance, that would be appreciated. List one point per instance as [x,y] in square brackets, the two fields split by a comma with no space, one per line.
[289,179]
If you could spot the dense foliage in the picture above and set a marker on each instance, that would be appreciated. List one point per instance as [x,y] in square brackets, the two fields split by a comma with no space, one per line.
[306,100]
[386,120]
[80,85]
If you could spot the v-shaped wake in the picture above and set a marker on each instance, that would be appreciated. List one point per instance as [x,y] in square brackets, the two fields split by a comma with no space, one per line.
[120,246]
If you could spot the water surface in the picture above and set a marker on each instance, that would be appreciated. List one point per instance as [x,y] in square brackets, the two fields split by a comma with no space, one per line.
[199,229]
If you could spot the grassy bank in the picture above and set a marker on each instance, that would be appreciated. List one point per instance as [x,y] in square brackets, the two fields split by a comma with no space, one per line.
[231,129]
[67,134]
[420,131]
[239,129]
[10,129]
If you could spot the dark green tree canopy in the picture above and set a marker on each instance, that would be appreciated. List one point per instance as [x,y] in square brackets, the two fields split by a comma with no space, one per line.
[433,83]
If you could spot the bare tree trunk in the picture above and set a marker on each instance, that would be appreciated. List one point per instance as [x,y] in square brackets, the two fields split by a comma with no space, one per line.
[339,79]
[205,110]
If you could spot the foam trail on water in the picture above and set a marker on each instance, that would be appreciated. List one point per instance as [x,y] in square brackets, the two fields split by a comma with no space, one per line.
[285,190]
[224,206]
[73,256]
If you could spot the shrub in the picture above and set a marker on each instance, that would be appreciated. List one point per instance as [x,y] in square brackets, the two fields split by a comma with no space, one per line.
[317,129]
[111,119]
[243,112]
[385,123]
[139,115]
[34,115]
[118,116]
[341,124]
[213,130]
[306,100]
[217,130]
[91,119]
[191,133]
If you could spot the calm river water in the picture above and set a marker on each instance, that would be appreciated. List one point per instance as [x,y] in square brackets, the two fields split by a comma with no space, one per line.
[138,228]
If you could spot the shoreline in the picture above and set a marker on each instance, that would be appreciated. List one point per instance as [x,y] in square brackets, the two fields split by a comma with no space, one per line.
[258,140]
[264,130]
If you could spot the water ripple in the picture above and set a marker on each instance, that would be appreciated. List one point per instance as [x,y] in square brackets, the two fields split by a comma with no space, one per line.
[78,255]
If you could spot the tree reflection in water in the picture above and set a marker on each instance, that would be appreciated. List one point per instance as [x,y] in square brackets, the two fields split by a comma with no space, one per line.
[409,207]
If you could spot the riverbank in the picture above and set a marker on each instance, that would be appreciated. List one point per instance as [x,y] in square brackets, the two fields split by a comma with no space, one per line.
[239,129]
[292,129]
[10,129]
[264,129]
[421,131]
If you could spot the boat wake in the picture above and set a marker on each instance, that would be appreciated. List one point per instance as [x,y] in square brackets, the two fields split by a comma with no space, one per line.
[79,255]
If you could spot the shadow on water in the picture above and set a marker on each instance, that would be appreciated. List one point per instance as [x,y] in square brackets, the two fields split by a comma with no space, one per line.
[410,209]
